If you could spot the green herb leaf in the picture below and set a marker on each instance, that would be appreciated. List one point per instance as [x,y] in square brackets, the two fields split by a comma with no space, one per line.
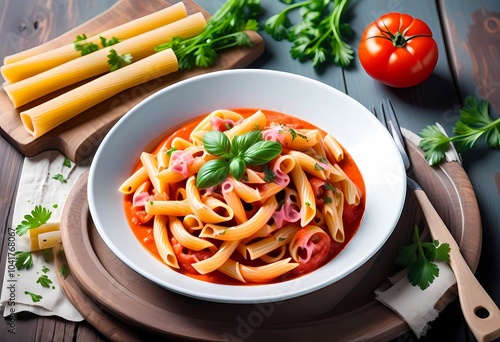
[170,151]
[474,122]
[67,162]
[269,174]
[318,35]
[24,260]
[217,143]
[80,44]
[39,215]
[117,61]
[419,257]
[262,152]
[212,173]
[237,168]
[64,271]
[108,42]
[60,178]
[44,281]
[34,297]
[225,29]
[242,143]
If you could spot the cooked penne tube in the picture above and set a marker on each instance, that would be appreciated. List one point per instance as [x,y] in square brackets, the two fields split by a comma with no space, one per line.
[185,238]
[243,230]
[232,269]
[218,259]
[96,63]
[264,273]
[334,147]
[281,237]
[169,208]
[252,123]
[351,191]
[134,181]
[306,195]
[151,166]
[31,62]
[310,165]
[207,124]
[41,119]
[162,241]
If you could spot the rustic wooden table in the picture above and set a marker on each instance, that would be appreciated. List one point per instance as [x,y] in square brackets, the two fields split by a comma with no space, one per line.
[468,36]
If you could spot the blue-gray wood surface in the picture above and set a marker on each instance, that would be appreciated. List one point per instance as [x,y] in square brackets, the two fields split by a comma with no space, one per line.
[468,36]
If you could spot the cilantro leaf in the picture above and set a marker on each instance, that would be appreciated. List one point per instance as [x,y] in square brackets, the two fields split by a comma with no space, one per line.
[83,46]
[44,281]
[419,257]
[117,61]
[24,260]
[39,215]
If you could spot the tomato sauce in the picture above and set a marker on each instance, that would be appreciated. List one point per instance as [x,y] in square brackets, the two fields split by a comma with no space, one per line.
[352,215]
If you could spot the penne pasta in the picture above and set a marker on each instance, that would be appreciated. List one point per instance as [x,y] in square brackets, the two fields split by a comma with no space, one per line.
[278,222]
[31,62]
[261,274]
[162,242]
[134,181]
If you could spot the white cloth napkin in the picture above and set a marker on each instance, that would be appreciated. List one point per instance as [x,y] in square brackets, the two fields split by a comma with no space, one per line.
[38,187]
[414,306]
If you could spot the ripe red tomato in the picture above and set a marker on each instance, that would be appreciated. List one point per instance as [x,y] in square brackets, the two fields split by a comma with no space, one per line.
[398,50]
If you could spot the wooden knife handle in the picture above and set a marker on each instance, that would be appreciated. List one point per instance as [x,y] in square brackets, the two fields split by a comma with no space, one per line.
[480,311]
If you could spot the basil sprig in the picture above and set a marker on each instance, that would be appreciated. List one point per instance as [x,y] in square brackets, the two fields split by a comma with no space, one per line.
[247,149]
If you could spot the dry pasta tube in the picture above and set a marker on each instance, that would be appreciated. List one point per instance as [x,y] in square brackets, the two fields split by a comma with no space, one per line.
[96,63]
[45,240]
[29,62]
[44,228]
[41,119]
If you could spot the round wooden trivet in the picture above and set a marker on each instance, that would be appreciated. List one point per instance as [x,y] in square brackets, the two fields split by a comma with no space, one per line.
[132,301]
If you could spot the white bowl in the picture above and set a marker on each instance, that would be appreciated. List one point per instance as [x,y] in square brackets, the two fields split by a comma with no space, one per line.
[352,124]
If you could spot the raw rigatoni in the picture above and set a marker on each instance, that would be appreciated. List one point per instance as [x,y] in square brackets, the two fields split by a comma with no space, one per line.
[30,62]
[96,63]
[48,115]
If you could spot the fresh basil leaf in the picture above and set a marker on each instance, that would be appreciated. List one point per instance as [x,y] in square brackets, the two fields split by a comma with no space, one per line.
[237,168]
[217,143]
[262,152]
[212,173]
[242,143]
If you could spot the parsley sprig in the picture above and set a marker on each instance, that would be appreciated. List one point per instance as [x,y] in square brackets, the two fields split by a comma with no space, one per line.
[474,122]
[83,46]
[224,29]
[234,156]
[419,257]
[39,215]
[318,36]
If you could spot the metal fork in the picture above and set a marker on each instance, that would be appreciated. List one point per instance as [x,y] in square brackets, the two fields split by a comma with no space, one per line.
[480,311]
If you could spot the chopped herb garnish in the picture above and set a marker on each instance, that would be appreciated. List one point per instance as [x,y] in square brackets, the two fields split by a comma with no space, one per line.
[330,187]
[24,260]
[117,61]
[80,44]
[44,281]
[170,151]
[67,162]
[60,178]
[108,42]
[34,297]
[281,238]
[269,174]
[308,204]
[45,269]
[319,167]
[64,271]
[328,200]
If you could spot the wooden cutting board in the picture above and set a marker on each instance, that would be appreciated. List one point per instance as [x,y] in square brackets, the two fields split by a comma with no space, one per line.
[113,298]
[79,137]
